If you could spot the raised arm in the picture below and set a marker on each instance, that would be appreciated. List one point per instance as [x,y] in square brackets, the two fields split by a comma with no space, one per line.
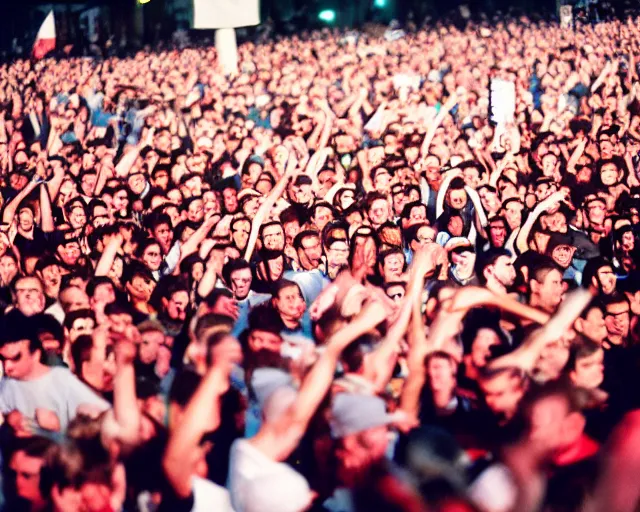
[526,355]
[46,214]
[109,255]
[265,207]
[201,415]
[11,208]
[123,421]
[522,241]
[277,439]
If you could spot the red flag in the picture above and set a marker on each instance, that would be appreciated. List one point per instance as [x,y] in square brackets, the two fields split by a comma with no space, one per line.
[46,38]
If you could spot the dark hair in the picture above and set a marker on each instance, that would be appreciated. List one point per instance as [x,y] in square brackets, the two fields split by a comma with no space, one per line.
[72,316]
[184,386]
[488,258]
[232,266]
[81,352]
[307,233]
[93,284]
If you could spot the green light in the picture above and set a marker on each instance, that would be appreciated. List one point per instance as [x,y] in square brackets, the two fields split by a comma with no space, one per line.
[328,15]
[380,4]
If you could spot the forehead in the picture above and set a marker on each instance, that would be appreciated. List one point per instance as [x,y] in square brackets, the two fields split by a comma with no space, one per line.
[14,348]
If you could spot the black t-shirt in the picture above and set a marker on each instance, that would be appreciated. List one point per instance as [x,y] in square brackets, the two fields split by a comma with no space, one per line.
[40,244]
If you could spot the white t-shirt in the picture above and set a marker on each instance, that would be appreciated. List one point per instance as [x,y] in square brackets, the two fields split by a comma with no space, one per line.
[259,484]
[58,390]
[209,497]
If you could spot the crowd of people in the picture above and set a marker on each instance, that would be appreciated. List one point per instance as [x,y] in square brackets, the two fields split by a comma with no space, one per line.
[328,281]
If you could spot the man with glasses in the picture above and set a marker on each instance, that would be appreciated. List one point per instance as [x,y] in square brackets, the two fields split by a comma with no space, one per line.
[34,390]
[238,277]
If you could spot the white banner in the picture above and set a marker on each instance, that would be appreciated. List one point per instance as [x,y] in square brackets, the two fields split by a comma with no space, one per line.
[225,13]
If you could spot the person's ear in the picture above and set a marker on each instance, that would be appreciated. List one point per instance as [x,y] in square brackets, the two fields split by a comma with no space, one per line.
[535,286]
[579,325]
[165,302]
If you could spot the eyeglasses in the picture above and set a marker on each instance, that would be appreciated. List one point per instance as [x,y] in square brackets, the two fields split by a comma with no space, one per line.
[617,315]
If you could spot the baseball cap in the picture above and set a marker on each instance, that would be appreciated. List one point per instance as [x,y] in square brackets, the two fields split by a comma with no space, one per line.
[302,179]
[352,413]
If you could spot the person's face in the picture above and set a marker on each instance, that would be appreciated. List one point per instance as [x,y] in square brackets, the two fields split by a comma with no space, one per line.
[104,294]
[241,283]
[310,253]
[606,149]
[226,306]
[544,190]
[264,340]
[176,306]
[141,288]
[432,174]
[489,199]
[25,219]
[426,235]
[240,233]
[513,214]
[606,279]
[593,326]
[502,394]
[471,177]
[392,267]
[163,234]
[121,200]
[100,217]
[30,298]
[137,183]
[418,215]
[497,233]
[69,253]
[457,199]
[81,326]
[347,199]
[291,230]
[481,346]
[150,344]
[322,217]
[442,374]
[583,174]
[628,241]
[553,358]
[589,371]
[326,180]
[273,237]
[379,212]
[382,180]
[77,218]
[72,299]
[290,303]
[17,361]
[152,257]
[51,277]
[504,271]
[250,207]
[195,212]
[8,269]
[399,199]
[25,473]
[617,319]
[88,184]
[338,254]
[609,174]
[547,419]
[550,291]
[549,162]
[597,211]
[230,199]
[562,255]
[161,180]
[302,194]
